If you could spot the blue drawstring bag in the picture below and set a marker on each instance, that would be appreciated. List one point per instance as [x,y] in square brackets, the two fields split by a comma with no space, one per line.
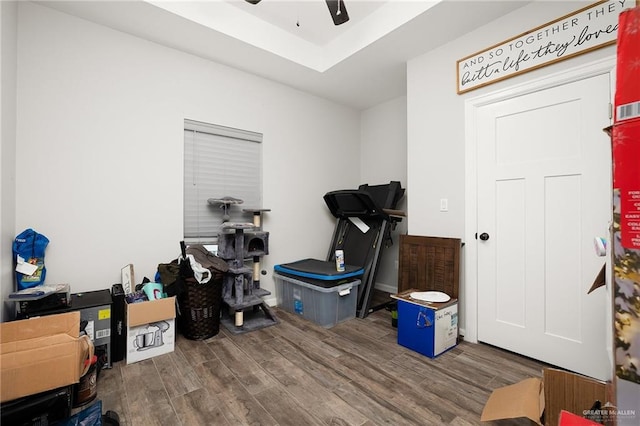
[28,254]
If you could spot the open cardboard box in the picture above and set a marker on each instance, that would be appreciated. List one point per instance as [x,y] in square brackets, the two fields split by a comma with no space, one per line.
[150,328]
[40,354]
[543,400]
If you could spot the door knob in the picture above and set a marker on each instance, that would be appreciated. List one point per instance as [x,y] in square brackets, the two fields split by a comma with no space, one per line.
[484,236]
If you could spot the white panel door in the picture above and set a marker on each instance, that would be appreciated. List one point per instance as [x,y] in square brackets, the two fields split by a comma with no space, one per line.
[544,193]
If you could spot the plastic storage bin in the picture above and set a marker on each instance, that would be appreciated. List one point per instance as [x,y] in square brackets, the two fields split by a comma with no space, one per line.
[324,306]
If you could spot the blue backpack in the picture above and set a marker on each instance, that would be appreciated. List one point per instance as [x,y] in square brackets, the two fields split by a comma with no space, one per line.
[28,247]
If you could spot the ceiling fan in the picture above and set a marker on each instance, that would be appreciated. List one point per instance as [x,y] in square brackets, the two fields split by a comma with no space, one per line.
[336,8]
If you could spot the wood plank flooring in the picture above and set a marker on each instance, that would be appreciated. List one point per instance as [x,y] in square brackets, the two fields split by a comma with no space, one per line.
[297,373]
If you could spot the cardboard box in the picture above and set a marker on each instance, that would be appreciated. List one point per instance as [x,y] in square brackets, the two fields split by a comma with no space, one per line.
[427,328]
[627,96]
[523,399]
[626,179]
[543,400]
[40,354]
[150,328]
[625,232]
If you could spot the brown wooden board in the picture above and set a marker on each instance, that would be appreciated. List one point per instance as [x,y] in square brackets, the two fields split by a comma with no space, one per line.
[572,392]
[429,263]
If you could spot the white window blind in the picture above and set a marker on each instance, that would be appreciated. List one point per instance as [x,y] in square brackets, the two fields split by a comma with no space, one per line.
[219,162]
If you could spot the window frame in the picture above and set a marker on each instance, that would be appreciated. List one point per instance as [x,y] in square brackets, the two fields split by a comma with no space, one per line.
[199,216]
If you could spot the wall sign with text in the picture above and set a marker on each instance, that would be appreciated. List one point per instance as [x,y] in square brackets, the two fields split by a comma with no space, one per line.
[584,30]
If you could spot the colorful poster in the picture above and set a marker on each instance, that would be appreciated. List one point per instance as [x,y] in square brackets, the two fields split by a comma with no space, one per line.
[626,178]
[626,297]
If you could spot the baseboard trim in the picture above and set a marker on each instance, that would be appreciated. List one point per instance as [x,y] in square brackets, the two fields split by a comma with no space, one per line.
[386,288]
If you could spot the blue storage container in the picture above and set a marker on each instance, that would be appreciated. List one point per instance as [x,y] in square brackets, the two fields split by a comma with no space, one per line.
[324,306]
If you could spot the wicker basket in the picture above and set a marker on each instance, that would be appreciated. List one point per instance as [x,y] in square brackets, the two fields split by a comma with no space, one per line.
[200,308]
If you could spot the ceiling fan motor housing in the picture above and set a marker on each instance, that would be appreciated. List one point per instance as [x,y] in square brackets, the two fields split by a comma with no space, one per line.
[337,10]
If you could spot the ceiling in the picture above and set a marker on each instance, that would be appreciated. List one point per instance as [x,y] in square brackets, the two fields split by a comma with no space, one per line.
[360,63]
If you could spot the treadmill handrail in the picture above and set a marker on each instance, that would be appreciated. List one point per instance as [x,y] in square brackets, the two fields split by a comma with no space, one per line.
[353,203]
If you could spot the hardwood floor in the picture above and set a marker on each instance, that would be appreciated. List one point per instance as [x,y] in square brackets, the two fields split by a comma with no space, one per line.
[297,373]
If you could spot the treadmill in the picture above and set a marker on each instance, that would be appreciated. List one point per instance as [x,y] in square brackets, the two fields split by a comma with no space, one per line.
[365,218]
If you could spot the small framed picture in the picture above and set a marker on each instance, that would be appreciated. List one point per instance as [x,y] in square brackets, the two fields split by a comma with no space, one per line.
[128,280]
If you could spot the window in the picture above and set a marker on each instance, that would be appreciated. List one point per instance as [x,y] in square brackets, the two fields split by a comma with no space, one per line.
[219,162]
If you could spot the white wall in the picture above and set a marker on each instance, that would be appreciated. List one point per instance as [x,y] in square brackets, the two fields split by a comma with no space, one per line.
[99,150]
[436,121]
[383,158]
[8,43]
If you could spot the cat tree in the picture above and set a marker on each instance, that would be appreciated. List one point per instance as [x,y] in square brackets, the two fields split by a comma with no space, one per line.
[241,291]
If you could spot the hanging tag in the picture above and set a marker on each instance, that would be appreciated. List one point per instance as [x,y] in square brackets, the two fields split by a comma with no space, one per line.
[363,227]
[25,268]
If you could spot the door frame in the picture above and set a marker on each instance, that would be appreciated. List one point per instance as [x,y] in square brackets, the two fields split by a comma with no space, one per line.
[471,106]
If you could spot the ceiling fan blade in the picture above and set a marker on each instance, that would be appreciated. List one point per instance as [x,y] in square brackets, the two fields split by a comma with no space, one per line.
[253,1]
[338,11]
